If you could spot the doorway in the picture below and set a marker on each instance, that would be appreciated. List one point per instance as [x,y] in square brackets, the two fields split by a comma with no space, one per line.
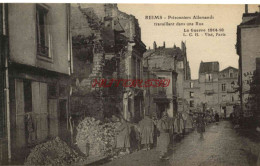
[63,119]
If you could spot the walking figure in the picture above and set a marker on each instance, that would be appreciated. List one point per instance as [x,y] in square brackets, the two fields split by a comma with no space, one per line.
[164,136]
[147,132]
[200,123]
[123,137]
[216,118]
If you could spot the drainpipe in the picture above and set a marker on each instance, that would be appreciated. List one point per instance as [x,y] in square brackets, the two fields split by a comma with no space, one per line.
[6,86]
[69,40]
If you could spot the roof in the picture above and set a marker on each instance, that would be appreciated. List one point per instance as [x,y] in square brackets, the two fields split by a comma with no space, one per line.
[163,58]
[209,67]
[230,67]
[254,21]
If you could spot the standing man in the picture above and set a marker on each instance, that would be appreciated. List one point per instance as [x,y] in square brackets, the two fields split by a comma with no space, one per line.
[217,117]
[123,137]
[200,124]
[147,132]
[164,137]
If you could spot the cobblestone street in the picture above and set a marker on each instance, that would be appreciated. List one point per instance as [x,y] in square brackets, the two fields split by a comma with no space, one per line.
[221,145]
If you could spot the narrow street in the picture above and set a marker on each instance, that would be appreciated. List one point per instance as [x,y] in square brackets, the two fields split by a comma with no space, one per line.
[221,146]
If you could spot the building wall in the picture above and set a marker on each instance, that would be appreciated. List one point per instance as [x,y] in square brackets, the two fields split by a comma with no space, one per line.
[228,97]
[209,90]
[22,33]
[188,89]
[169,91]
[250,50]
[79,23]
[39,87]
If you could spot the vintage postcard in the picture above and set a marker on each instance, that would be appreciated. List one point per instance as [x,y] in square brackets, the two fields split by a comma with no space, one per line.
[129,84]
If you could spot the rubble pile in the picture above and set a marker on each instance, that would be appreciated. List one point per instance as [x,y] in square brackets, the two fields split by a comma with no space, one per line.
[96,138]
[54,152]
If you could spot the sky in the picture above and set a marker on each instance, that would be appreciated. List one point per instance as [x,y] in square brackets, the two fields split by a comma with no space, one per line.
[202,48]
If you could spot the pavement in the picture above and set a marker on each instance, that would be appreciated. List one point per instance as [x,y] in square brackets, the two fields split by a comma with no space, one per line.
[221,146]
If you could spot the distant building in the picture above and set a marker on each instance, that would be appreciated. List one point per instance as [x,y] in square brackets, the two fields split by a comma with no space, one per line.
[215,90]
[160,99]
[248,50]
[170,59]
[228,96]
[191,95]
[208,83]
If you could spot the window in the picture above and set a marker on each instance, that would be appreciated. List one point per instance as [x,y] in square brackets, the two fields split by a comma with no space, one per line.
[223,97]
[232,98]
[208,77]
[191,103]
[231,75]
[62,91]
[223,87]
[191,94]
[181,65]
[43,39]
[52,91]
[27,89]
[191,84]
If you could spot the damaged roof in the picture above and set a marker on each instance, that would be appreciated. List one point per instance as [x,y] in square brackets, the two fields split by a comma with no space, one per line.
[163,58]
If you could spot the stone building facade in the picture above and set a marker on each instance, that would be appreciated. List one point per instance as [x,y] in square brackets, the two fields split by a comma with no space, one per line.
[170,59]
[208,82]
[228,96]
[192,95]
[214,90]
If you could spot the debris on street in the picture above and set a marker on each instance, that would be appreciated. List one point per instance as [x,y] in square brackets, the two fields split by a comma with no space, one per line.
[54,152]
[96,138]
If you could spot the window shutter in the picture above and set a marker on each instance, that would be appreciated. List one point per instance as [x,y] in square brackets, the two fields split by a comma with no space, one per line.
[20,125]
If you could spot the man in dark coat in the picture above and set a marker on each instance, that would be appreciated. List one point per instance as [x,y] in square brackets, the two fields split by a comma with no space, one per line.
[200,122]
[216,117]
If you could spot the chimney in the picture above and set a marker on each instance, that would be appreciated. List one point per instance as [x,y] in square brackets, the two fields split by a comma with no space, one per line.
[164,44]
[154,45]
[246,8]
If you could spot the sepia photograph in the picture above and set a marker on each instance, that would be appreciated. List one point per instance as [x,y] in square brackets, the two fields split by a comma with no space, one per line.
[129,84]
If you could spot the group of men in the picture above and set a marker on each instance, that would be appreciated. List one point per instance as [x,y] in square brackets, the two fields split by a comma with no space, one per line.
[150,131]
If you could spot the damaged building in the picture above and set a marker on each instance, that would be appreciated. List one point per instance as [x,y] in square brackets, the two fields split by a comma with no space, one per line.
[106,45]
[169,60]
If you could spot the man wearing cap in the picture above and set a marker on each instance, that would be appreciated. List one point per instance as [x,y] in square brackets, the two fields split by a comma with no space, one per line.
[164,137]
